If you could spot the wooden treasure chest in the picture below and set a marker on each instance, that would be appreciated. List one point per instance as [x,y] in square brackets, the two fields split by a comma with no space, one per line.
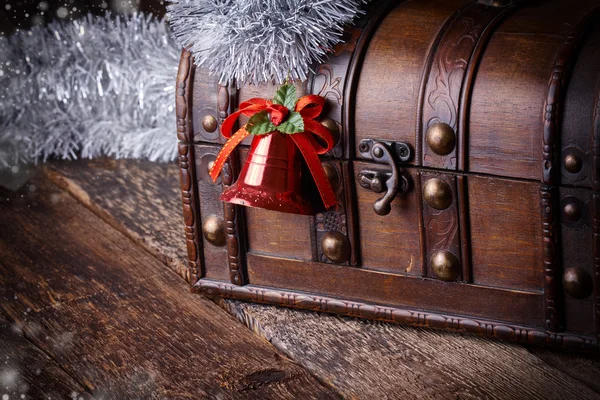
[466,168]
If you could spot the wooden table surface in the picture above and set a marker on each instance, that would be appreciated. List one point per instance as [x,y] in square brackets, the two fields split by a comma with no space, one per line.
[92,307]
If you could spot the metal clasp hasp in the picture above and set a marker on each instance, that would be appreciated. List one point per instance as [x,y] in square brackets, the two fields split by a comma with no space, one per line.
[392,182]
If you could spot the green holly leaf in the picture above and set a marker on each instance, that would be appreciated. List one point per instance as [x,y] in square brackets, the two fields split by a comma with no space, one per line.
[293,124]
[260,124]
[286,96]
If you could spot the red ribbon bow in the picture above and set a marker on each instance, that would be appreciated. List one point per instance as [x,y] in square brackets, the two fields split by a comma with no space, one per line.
[309,108]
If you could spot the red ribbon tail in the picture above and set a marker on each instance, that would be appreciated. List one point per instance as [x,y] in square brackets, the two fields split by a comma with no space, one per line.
[226,151]
[316,168]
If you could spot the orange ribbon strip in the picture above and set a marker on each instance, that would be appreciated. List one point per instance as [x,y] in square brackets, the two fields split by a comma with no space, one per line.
[309,107]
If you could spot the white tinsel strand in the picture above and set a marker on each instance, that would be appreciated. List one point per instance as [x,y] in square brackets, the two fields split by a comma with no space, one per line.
[259,41]
[96,86]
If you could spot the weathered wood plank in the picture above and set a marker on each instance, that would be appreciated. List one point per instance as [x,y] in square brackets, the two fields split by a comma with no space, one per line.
[585,369]
[365,359]
[26,372]
[139,199]
[120,323]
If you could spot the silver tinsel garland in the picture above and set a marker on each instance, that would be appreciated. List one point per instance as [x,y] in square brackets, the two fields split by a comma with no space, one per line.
[259,41]
[97,86]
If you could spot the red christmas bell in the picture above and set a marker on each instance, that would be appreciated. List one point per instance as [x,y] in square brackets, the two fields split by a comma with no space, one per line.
[271,177]
[283,129]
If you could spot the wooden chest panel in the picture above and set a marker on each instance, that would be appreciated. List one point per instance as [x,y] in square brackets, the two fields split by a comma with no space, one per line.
[505,123]
[395,290]
[506,233]
[398,230]
[518,84]
[284,235]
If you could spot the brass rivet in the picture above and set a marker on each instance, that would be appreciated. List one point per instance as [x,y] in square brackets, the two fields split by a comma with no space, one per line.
[213,230]
[437,194]
[333,128]
[577,282]
[336,247]
[572,212]
[573,163]
[209,123]
[210,165]
[445,265]
[441,139]
[332,175]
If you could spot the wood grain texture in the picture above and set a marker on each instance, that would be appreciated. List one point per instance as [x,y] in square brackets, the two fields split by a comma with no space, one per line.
[125,193]
[119,322]
[287,235]
[510,108]
[582,368]
[27,372]
[506,233]
[365,359]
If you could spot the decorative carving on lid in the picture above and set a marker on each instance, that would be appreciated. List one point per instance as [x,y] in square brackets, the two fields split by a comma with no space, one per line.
[448,79]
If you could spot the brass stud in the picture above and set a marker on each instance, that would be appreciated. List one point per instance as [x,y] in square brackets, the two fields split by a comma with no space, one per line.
[573,163]
[437,194]
[209,123]
[577,282]
[213,230]
[445,265]
[332,175]
[336,247]
[209,166]
[333,128]
[572,212]
[441,139]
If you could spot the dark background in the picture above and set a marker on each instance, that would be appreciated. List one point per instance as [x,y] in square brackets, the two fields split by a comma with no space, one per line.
[22,14]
